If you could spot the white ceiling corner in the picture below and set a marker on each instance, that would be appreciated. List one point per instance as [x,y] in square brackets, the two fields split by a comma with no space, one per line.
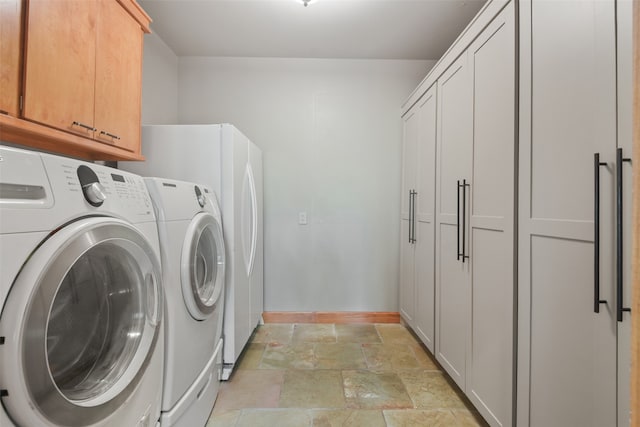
[368,29]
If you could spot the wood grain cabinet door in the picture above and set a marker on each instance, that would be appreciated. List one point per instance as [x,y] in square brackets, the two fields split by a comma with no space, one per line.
[118,77]
[60,64]
[10,55]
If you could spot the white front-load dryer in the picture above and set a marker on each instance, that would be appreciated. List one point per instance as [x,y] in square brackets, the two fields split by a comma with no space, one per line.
[193,268]
[81,337]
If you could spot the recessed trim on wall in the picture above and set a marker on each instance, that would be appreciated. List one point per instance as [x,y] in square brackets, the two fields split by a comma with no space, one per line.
[331,317]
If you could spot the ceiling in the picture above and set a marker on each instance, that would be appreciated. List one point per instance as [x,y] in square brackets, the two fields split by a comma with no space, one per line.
[368,29]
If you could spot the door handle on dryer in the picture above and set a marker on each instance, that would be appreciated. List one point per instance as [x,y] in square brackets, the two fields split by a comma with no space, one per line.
[620,308]
[596,233]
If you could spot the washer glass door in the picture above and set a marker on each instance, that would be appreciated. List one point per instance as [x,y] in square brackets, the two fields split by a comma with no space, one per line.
[86,308]
[202,267]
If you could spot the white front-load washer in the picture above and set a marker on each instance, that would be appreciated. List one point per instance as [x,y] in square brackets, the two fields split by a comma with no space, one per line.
[81,299]
[193,267]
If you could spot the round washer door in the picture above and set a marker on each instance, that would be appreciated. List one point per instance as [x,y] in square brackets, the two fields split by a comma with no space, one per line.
[81,322]
[203,265]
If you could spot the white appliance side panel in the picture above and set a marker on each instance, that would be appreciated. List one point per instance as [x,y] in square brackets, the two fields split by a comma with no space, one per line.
[183,152]
[237,328]
[257,275]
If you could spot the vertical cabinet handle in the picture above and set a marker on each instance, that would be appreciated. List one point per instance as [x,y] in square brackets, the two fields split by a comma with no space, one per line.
[462,224]
[464,219]
[458,223]
[596,233]
[413,227]
[620,308]
[410,213]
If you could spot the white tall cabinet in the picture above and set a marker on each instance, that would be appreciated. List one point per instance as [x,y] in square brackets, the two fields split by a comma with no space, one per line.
[475,258]
[574,253]
[466,121]
[417,293]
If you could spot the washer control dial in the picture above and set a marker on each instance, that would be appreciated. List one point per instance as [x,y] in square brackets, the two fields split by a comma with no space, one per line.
[200,197]
[93,191]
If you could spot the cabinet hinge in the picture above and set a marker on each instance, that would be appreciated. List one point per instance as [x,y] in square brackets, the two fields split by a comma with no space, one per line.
[21,103]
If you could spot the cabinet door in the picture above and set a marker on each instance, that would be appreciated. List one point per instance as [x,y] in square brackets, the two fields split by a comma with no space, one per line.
[407,274]
[118,77]
[567,352]
[409,169]
[60,64]
[10,56]
[624,48]
[409,159]
[425,220]
[453,277]
[491,360]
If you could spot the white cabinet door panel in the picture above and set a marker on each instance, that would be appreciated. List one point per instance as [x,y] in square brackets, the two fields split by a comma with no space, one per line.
[491,359]
[425,225]
[573,375]
[407,274]
[452,321]
[425,283]
[567,352]
[409,160]
[453,280]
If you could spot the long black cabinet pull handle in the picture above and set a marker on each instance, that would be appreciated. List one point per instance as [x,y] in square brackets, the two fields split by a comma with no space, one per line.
[413,228]
[464,219]
[596,233]
[620,308]
[410,213]
[458,223]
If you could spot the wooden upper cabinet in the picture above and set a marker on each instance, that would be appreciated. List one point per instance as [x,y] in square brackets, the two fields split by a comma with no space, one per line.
[10,56]
[60,64]
[82,78]
[118,78]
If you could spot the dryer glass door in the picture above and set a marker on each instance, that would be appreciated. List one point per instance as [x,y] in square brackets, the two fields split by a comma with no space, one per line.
[202,269]
[87,307]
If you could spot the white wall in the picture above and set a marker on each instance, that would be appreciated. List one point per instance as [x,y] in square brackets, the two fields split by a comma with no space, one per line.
[159,82]
[331,133]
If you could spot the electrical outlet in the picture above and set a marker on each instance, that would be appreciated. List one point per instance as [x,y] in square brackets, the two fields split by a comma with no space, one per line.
[302,218]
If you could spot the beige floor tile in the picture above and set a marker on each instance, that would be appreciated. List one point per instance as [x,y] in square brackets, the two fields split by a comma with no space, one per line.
[339,356]
[250,389]
[390,357]
[375,390]
[312,389]
[420,418]
[251,356]
[224,419]
[273,418]
[357,333]
[425,360]
[469,418]
[430,390]
[305,332]
[392,333]
[273,333]
[289,356]
[347,418]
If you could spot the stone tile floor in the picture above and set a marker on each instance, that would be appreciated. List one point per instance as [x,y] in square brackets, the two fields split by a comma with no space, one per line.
[325,375]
